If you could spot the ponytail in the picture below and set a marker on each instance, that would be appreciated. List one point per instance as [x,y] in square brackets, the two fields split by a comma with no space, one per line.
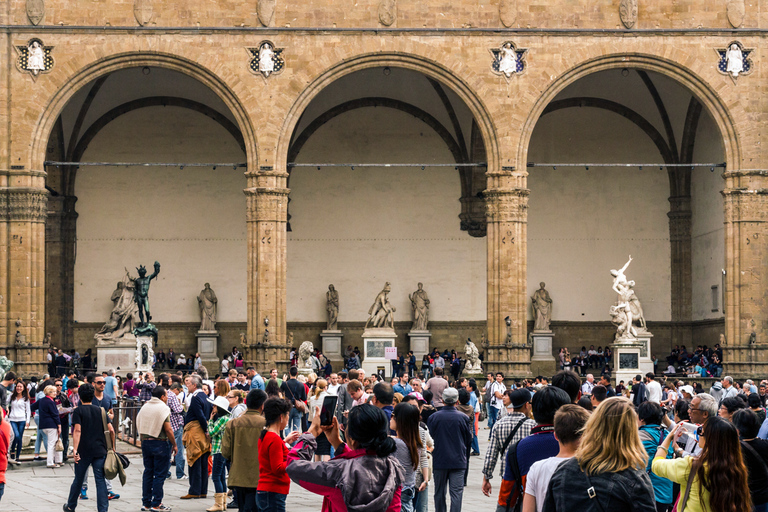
[368,426]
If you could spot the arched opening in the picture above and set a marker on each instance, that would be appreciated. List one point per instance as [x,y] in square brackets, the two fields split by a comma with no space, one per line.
[420,219]
[104,218]
[668,216]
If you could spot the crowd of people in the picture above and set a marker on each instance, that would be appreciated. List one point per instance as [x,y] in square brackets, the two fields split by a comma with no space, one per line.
[565,443]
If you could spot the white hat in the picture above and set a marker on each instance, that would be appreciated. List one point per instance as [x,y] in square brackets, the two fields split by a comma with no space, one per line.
[221,402]
[687,389]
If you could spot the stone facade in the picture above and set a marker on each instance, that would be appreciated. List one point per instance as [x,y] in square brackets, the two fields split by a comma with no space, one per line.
[324,40]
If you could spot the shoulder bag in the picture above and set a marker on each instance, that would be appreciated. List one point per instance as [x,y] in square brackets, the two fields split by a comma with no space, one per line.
[300,406]
[113,466]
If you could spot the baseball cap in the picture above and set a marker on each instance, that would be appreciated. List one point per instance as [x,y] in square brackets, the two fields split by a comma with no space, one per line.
[450,396]
[418,396]
[519,398]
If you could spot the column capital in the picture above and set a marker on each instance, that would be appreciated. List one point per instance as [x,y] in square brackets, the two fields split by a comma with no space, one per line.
[506,205]
[20,204]
[267,204]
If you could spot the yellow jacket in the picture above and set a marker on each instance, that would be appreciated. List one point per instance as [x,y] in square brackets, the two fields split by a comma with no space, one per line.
[678,471]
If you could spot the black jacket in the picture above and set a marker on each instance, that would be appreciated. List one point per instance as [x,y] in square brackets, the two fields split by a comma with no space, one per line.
[625,491]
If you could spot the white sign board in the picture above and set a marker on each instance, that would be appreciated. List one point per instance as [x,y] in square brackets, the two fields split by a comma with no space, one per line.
[390,353]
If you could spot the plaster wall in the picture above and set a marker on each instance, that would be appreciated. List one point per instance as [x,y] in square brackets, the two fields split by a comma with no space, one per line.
[192,221]
[360,228]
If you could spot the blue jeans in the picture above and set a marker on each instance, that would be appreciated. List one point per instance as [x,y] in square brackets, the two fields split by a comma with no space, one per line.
[406,499]
[475,444]
[219,473]
[42,439]
[760,508]
[270,501]
[102,502]
[157,459]
[2,490]
[178,433]
[294,420]
[421,500]
[18,435]
[493,414]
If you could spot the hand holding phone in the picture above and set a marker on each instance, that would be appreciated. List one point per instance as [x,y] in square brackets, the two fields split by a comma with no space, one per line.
[328,410]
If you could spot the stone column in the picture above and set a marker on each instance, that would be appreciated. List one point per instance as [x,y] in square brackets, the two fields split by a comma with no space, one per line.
[681,269]
[507,216]
[267,201]
[23,201]
[60,232]
[746,286]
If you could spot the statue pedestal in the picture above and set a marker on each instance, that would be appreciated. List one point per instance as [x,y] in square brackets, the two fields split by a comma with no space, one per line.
[419,344]
[626,360]
[542,360]
[144,354]
[646,363]
[119,355]
[332,344]
[375,340]
[208,347]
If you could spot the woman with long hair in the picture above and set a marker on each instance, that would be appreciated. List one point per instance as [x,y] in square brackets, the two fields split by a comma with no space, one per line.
[608,471]
[221,388]
[410,451]
[274,483]
[755,452]
[323,451]
[364,475]
[272,389]
[18,416]
[716,480]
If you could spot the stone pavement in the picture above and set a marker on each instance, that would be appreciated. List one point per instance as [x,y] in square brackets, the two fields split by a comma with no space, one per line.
[31,487]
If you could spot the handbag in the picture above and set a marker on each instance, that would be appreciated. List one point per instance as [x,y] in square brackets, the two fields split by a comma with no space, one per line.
[113,466]
[300,406]
[681,503]
[59,446]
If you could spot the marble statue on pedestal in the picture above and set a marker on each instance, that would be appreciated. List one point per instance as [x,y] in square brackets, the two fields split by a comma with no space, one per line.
[472,356]
[420,307]
[5,365]
[381,313]
[332,306]
[124,316]
[306,351]
[117,293]
[628,310]
[542,309]
[208,304]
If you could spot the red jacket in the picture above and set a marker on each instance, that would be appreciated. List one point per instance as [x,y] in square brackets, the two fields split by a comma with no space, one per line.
[273,459]
[5,442]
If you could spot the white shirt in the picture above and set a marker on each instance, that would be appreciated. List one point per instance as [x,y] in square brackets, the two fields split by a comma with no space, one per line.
[316,402]
[333,389]
[496,402]
[539,476]
[19,410]
[654,392]
[586,388]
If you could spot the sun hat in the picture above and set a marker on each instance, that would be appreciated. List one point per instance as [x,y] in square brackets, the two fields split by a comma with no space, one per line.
[221,402]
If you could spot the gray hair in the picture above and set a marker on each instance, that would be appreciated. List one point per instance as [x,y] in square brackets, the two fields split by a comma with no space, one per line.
[111,372]
[415,381]
[729,379]
[196,380]
[707,404]
[202,371]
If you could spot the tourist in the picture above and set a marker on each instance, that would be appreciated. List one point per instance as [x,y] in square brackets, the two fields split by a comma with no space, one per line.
[365,467]
[569,427]
[452,434]
[146,387]
[196,444]
[702,407]
[652,433]
[507,431]
[724,491]
[273,481]
[599,394]
[497,391]
[50,423]
[111,389]
[238,445]
[383,397]
[174,402]
[654,388]
[755,453]
[756,406]
[345,401]
[272,389]
[586,388]
[474,402]
[639,390]
[221,388]
[426,366]
[323,451]
[608,466]
[295,391]
[236,399]
[333,384]
[257,381]
[411,451]
[540,444]
[18,417]
[158,445]
[569,382]
[5,446]
[216,426]
[401,385]
[357,393]
[88,420]
[100,399]
[129,387]
[729,390]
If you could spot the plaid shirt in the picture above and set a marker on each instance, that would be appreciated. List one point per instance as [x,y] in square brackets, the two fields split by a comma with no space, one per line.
[216,430]
[145,395]
[177,416]
[501,430]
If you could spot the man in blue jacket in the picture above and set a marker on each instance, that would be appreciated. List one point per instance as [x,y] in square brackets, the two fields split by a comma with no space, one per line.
[199,410]
[452,432]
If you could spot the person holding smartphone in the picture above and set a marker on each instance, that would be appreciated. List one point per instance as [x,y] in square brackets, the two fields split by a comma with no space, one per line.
[274,483]
[315,401]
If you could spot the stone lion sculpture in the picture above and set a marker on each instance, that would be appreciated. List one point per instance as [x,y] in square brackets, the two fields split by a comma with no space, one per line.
[306,350]
[5,365]
[473,358]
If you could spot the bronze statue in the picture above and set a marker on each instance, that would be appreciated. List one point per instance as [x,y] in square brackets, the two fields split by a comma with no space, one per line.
[142,293]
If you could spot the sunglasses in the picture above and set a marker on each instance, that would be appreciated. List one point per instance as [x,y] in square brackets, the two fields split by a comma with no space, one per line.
[100,382]
[700,431]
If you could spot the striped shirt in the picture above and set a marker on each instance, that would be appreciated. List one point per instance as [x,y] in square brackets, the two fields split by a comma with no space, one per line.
[177,418]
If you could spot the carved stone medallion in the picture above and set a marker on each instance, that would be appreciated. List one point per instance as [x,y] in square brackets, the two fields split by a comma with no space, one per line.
[34,58]
[266,11]
[508,60]
[734,60]
[35,11]
[628,12]
[266,59]
[508,12]
[142,10]
[387,12]
[735,10]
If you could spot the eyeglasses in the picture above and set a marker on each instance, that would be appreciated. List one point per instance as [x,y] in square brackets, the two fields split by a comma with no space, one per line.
[58,385]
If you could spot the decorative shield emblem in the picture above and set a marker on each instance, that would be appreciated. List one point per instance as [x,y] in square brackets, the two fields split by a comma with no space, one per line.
[266,11]
[266,59]
[35,11]
[734,60]
[735,10]
[142,10]
[628,12]
[34,58]
[508,12]
[387,12]
[508,60]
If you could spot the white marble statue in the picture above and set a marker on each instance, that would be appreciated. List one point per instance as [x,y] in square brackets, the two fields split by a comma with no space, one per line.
[472,356]
[420,307]
[734,60]
[624,328]
[124,316]
[35,58]
[382,313]
[628,304]
[542,309]
[507,60]
[208,304]
[266,63]
[306,352]
[332,306]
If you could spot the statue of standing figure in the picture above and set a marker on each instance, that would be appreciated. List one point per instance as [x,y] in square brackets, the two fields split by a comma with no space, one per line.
[382,313]
[142,293]
[628,308]
[542,309]
[332,306]
[420,306]
[208,304]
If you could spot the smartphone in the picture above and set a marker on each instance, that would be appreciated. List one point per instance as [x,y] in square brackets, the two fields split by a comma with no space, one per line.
[328,410]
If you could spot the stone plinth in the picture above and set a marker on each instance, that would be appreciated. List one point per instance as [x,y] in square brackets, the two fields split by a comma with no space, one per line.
[419,342]
[375,340]
[119,355]
[542,360]
[646,363]
[332,343]
[626,360]
[208,347]
[144,355]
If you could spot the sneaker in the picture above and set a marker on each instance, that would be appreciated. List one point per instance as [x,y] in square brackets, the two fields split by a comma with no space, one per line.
[182,477]
[161,508]
[112,496]
[67,509]
[83,494]
[232,504]
[145,508]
